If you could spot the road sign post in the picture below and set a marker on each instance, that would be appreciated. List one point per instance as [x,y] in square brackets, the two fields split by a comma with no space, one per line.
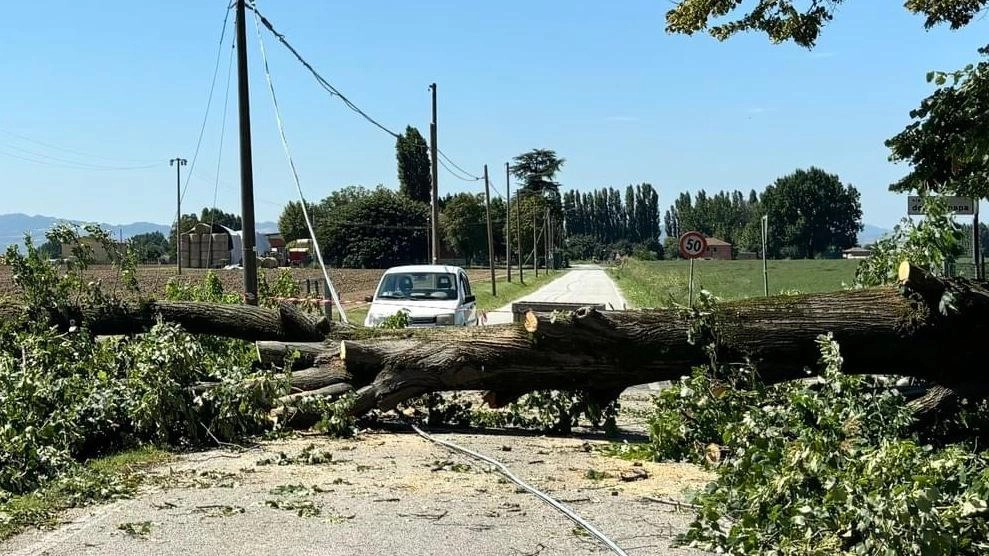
[765,266]
[692,245]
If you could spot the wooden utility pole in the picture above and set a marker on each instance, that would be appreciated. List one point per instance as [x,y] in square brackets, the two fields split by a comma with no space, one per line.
[178,163]
[487,212]
[508,224]
[518,226]
[546,228]
[976,248]
[246,166]
[434,196]
[535,242]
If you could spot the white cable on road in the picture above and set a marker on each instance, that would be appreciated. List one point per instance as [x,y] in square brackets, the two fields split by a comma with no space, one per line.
[545,497]
[295,175]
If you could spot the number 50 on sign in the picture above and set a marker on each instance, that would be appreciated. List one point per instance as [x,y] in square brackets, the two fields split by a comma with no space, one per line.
[693,245]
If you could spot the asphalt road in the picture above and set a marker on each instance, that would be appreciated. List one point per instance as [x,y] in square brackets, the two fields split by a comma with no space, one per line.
[583,284]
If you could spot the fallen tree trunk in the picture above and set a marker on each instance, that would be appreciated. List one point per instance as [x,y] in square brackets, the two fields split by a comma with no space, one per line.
[881,331]
[286,323]
[928,328]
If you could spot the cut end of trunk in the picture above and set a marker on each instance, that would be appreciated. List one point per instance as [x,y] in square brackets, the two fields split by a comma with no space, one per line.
[343,351]
[531,322]
[903,273]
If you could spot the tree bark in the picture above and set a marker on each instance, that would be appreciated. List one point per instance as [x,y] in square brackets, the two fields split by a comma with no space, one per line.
[286,323]
[928,328]
[900,331]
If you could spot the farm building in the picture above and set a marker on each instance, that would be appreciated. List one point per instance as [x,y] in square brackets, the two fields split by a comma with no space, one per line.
[856,253]
[204,246]
[215,247]
[718,249]
[97,251]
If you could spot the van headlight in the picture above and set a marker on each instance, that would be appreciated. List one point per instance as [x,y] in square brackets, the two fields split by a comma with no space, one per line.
[445,320]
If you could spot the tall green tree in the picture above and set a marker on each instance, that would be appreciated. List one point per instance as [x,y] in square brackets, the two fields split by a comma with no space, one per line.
[464,225]
[797,21]
[292,222]
[217,216]
[150,247]
[947,143]
[375,230]
[811,213]
[536,170]
[414,171]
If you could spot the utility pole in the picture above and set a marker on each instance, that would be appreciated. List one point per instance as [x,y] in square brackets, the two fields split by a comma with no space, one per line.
[508,224]
[976,249]
[535,242]
[487,211]
[546,238]
[550,255]
[246,166]
[435,211]
[178,163]
[518,227]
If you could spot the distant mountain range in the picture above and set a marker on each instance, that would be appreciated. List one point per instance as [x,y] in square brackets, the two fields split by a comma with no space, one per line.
[870,234]
[14,226]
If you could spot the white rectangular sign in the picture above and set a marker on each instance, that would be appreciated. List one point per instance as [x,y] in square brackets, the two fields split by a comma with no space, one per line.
[957,205]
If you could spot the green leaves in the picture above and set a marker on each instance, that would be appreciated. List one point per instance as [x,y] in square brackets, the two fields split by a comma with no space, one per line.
[800,22]
[819,469]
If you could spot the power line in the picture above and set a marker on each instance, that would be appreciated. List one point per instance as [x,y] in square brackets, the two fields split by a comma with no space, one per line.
[73,151]
[455,174]
[295,173]
[465,172]
[73,165]
[319,78]
[76,163]
[209,102]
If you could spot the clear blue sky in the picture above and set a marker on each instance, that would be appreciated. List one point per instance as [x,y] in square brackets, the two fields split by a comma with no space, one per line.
[599,82]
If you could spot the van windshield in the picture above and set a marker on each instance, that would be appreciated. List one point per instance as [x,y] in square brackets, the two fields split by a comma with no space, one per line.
[418,285]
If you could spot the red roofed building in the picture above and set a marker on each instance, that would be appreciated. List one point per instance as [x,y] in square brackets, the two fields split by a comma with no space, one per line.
[718,249]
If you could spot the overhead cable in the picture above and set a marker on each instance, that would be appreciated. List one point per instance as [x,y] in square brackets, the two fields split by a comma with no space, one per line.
[319,78]
[209,102]
[295,173]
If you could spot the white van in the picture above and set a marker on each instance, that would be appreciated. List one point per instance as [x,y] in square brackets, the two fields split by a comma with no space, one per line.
[433,295]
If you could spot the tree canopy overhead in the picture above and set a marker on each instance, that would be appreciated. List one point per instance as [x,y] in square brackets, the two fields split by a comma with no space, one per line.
[800,21]
[947,144]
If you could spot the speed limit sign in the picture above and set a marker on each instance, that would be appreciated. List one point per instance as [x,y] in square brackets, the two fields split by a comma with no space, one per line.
[693,245]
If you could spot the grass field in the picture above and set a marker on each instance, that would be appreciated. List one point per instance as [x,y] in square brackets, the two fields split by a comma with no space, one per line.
[651,284]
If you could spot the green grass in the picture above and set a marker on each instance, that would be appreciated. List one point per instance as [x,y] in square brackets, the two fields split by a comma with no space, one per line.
[651,283]
[510,291]
[98,480]
[507,292]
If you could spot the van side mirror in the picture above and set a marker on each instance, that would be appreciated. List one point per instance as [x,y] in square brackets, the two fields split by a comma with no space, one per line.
[470,299]
[368,298]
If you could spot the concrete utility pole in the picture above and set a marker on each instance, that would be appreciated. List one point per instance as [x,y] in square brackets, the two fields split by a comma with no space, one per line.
[178,163]
[518,226]
[546,228]
[508,224]
[535,242]
[487,211]
[434,197]
[246,165]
